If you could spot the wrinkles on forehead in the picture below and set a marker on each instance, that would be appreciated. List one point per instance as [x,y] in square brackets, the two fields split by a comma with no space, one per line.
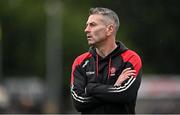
[100,18]
[95,19]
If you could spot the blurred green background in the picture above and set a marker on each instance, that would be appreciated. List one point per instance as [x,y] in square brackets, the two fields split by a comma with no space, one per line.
[39,41]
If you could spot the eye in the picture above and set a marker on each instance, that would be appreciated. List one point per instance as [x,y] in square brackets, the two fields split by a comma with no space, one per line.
[92,24]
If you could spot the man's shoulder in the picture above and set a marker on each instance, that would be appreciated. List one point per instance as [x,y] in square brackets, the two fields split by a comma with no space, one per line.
[129,54]
[79,59]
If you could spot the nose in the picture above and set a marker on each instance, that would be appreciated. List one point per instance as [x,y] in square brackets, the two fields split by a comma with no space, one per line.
[86,30]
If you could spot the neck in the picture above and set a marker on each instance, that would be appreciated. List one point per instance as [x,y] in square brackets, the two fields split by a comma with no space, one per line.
[106,48]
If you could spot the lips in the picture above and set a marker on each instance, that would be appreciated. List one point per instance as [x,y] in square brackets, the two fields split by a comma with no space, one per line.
[88,36]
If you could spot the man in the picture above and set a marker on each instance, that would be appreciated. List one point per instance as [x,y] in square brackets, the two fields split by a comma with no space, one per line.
[107,78]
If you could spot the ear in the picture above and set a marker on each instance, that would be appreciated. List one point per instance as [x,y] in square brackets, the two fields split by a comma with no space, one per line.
[110,30]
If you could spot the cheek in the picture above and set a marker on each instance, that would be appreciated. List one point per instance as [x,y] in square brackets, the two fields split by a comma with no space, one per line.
[100,33]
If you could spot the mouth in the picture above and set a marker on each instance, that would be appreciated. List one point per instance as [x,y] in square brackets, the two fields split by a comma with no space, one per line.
[89,37]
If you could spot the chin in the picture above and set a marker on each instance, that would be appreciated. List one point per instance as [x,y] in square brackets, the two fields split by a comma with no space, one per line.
[93,45]
[90,43]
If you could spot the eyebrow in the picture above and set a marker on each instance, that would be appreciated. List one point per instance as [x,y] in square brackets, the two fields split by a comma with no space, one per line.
[90,23]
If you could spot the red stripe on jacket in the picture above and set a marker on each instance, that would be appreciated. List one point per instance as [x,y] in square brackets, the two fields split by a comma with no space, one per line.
[133,58]
[77,62]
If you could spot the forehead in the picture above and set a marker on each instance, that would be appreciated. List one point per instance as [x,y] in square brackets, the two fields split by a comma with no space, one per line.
[95,18]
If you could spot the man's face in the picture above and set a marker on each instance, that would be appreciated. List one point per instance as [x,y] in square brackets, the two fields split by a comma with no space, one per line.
[95,29]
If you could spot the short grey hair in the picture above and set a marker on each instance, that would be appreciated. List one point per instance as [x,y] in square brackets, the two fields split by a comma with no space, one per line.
[108,13]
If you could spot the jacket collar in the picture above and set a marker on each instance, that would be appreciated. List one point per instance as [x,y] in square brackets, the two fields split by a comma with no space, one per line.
[120,49]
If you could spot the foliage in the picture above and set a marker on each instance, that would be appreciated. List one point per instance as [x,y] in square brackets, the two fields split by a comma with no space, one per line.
[149,27]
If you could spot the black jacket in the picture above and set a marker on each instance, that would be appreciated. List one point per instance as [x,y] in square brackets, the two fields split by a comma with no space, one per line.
[93,79]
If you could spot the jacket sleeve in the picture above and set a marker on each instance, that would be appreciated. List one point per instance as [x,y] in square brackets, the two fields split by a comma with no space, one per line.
[81,101]
[124,93]
[121,94]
